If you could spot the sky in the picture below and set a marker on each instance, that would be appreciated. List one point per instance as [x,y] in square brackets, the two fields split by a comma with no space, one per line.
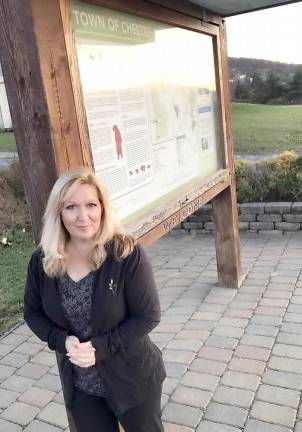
[272,34]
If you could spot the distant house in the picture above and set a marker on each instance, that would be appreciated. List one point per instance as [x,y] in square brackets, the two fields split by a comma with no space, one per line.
[5,118]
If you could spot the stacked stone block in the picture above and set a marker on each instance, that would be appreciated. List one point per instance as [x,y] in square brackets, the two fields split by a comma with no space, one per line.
[272,217]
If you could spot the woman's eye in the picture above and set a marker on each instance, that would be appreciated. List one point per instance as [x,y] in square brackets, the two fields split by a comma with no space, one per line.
[91,205]
[70,207]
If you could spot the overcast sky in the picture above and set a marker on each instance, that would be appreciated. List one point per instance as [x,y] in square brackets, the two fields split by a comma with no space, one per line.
[272,34]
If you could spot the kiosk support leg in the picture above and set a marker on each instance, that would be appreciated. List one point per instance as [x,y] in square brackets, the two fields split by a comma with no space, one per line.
[227,238]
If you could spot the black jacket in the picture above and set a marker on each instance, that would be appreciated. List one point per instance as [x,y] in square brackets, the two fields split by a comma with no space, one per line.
[125,308]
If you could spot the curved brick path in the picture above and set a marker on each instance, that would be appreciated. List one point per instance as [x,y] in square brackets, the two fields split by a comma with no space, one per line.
[233,358]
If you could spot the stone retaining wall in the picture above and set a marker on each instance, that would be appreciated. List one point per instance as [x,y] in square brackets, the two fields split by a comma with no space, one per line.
[253,217]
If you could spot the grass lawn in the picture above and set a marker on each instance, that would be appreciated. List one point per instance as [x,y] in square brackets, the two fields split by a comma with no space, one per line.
[7,142]
[13,263]
[266,128]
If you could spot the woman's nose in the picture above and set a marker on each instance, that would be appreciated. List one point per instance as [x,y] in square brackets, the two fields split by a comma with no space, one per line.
[82,214]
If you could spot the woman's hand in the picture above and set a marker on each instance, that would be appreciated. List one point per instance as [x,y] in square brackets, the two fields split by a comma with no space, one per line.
[80,354]
[71,343]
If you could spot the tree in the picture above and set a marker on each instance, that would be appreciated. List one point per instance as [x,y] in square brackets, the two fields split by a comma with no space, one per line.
[273,89]
[241,91]
[294,94]
[256,88]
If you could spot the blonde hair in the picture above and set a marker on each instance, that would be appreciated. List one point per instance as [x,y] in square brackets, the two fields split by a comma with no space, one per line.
[54,238]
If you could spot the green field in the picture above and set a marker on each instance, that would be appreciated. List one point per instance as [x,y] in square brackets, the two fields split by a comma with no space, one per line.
[7,142]
[267,128]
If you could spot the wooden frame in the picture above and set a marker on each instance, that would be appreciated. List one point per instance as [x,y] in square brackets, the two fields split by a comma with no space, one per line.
[50,121]
[173,210]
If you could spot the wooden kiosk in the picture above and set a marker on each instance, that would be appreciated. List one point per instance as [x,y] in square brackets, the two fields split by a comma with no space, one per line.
[139,91]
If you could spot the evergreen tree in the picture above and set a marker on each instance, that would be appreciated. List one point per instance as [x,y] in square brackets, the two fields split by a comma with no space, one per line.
[294,94]
[257,86]
[241,91]
[273,89]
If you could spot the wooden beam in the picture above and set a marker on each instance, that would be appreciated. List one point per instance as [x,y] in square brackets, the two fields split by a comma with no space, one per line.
[76,84]
[173,220]
[159,13]
[56,75]
[225,204]
[221,107]
[28,105]
[179,206]
[227,97]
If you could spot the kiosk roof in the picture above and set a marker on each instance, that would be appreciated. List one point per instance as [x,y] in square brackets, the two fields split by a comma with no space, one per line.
[235,7]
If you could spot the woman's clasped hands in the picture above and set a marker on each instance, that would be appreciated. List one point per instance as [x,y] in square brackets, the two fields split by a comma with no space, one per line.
[81,354]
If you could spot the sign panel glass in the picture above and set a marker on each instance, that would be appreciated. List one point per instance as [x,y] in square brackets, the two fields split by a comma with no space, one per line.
[151,105]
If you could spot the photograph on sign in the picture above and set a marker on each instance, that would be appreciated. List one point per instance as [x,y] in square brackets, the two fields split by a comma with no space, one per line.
[151,105]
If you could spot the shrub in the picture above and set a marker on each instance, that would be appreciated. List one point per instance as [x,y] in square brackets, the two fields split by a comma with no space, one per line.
[276,179]
[13,208]
[13,178]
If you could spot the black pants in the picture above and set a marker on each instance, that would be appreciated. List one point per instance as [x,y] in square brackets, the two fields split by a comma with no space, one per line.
[92,414]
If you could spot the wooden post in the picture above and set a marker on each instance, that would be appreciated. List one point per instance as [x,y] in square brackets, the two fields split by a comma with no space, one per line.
[28,107]
[227,238]
[225,204]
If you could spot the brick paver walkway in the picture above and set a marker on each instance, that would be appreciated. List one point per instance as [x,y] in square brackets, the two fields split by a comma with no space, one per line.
[233,358]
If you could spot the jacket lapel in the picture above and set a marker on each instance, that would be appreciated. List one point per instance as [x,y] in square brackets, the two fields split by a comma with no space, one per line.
[98,310]
[52,303]
[104,299]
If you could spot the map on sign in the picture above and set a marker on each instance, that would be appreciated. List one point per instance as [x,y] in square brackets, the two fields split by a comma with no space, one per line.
[150,98]
[182,113]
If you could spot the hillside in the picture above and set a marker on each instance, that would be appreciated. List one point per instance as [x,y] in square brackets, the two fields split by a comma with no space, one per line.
[248,66]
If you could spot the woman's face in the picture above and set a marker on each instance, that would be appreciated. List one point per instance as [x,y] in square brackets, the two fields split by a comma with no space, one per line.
[82,213]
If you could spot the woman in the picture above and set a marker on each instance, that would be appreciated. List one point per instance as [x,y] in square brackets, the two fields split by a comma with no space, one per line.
[90,294]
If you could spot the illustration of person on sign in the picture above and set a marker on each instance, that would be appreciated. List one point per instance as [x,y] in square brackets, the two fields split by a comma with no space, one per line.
[118,142]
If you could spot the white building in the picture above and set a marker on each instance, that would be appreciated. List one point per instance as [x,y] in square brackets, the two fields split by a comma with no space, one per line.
[5,118]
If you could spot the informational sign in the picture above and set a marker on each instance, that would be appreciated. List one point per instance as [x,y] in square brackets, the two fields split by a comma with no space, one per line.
[151,105]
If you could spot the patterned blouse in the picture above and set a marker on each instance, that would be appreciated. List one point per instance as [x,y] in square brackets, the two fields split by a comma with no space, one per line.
[76,300]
